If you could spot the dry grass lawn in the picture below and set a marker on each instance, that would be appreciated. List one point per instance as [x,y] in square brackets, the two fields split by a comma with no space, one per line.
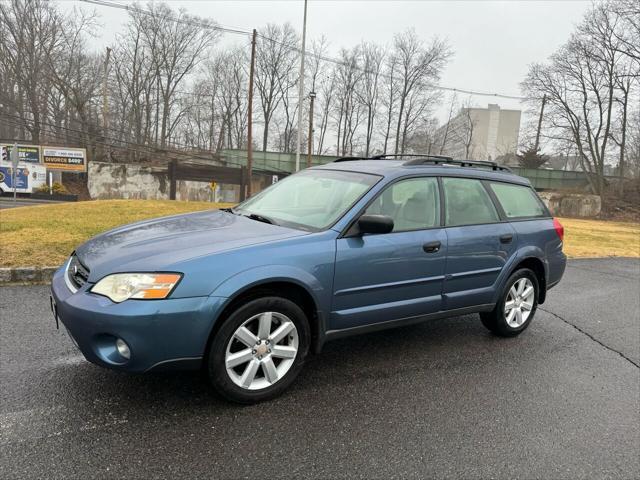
[45,235]
[594,238]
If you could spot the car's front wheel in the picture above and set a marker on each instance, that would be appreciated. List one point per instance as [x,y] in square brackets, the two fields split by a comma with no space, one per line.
[259,350]
[517,305]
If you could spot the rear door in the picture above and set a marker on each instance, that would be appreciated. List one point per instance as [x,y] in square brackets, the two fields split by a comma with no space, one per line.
[395,275]
[479,244]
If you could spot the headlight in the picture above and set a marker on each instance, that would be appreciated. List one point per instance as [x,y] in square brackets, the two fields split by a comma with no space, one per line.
[122,286]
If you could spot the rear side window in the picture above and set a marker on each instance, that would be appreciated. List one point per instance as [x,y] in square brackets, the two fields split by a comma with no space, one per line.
[467,202]
[518,201]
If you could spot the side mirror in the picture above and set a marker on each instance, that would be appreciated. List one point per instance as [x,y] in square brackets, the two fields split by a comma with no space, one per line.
[375,224]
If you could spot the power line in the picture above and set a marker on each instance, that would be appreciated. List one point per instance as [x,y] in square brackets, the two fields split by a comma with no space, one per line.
[195,23]
[347,64]
[324,58]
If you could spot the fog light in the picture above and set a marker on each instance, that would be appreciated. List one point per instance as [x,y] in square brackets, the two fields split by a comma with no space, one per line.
[123,348]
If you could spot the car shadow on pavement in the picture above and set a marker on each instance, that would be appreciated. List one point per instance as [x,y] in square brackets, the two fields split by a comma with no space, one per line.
[438,344]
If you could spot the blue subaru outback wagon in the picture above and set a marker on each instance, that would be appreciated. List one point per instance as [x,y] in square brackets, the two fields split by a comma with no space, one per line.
[346,248]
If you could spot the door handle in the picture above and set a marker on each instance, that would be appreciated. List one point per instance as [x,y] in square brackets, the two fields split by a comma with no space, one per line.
[506,238]
[431,247]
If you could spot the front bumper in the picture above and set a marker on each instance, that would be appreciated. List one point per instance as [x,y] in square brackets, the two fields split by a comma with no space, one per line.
[161,334]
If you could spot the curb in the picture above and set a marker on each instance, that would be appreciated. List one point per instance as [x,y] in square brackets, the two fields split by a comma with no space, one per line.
[26,275]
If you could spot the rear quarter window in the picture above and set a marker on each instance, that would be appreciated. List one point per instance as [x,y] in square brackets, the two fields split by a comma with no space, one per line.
[518,201]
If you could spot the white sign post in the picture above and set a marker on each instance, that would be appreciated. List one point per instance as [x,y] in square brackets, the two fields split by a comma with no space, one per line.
[14,168]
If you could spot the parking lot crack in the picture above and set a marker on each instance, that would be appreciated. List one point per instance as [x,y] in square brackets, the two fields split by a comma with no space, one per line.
[590,336]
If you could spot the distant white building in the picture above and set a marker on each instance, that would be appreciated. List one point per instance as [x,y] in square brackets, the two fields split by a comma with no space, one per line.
[479,134]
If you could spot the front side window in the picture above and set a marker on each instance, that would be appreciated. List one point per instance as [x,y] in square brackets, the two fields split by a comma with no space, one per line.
[311,199]
[467,202]
[413,204]
[517,200]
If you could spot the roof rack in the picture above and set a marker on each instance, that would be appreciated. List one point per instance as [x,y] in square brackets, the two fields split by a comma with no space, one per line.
[428,159]
[350,159]
[428,155]
[461,163]
[385,156]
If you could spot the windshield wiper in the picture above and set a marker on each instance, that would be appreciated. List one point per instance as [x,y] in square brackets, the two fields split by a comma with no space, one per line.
[261,218]
[229,209]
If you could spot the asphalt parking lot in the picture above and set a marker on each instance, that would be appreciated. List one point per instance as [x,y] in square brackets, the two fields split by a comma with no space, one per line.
[443,399]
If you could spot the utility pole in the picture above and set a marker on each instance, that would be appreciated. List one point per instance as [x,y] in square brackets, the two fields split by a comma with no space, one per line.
[250,114]
[105,103]
[537,144]
[301,86]
[312,96]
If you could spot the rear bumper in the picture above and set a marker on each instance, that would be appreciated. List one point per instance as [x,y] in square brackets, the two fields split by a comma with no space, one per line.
[161,334]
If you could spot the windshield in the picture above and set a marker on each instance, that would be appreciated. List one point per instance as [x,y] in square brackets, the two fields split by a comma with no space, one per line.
[311,199]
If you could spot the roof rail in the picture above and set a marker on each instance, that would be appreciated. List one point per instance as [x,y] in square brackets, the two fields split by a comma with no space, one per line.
[418,159]
[428,155]
[350,159]
[461,163]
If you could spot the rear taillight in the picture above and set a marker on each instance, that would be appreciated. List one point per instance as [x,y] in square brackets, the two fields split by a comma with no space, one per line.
[559,228]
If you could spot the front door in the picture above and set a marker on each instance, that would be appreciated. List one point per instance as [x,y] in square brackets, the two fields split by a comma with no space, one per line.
[382,277]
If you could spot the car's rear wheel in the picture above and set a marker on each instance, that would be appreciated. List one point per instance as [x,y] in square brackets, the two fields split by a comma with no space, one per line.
[259,350]
[517,306]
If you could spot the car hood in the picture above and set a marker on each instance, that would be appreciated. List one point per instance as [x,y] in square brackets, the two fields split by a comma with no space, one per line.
[158,244]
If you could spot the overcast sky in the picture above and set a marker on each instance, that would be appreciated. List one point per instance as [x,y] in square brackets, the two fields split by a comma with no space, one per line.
[493,41]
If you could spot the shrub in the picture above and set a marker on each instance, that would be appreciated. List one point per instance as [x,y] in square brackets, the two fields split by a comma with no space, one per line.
[56,188]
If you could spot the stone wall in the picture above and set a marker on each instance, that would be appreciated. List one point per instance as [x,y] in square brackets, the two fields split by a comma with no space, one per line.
[572,204]
[132,181]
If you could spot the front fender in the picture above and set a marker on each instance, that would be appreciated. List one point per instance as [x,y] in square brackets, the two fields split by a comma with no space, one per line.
[247,279]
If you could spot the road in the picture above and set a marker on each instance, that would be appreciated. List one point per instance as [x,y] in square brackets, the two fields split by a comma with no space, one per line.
[442,399]
[8,202]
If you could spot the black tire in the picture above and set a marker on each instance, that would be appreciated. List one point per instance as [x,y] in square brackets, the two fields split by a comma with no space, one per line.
[217,371]
[496,321]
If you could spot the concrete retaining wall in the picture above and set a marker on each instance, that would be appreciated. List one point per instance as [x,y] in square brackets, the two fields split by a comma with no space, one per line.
[572,204]
[131,181]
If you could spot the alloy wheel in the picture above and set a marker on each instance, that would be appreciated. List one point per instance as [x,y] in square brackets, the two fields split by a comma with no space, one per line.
[261,350]
[519,302]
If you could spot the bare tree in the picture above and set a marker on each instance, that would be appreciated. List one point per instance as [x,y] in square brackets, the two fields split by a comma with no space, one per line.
[389,100]
[464,130]
[31,33]
[275,61]
[177,43]
[418,67]
[134,81]
[633,142]
[447,128]
[368,93]
[628,33]
[580,83]
[287,124]
[325,103]
[76,74]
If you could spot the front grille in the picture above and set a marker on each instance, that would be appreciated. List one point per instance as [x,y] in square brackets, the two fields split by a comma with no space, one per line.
[78,274]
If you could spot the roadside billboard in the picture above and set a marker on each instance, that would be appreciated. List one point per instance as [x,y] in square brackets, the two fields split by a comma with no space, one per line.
[66,159]
[26,153]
